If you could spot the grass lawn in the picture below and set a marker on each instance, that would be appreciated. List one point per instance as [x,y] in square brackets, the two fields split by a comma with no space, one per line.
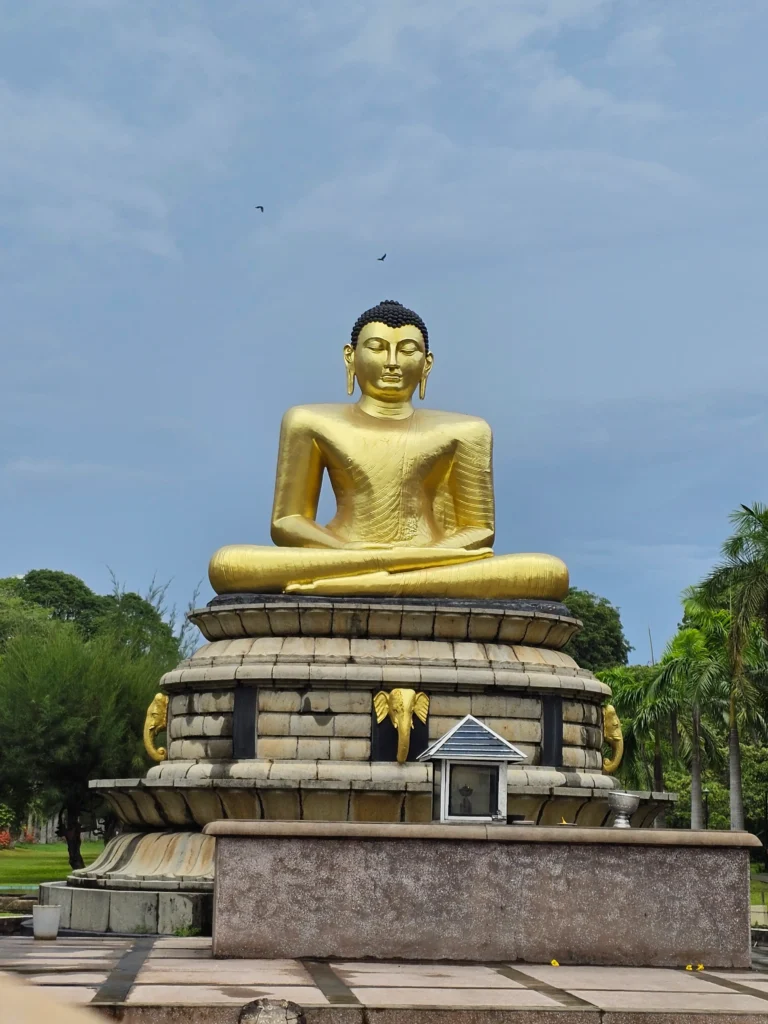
[28,865]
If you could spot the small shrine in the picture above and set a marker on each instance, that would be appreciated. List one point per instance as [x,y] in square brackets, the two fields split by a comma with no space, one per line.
[470,775]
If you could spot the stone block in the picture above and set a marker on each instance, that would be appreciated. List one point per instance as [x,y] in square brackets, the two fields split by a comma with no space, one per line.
[400,774]
[350,621]
[452,625]
[372,649]
[574,735]
[240,803]
[319,805]
[573,711]
[594,759]
[332,674]
[296,771]
[217,725]
[350,750]
[134,911]
[417,623]
[401,675]
[418,807]
[191,750]
[174,806]
[181,704]
[276,747]
[594,737]
[440,724]
[311,725]
[353,702]
[484,626]
[384,622]
[344,771]
[90,910]
[443,704]
[220,749]
[352,725]
[250,769]
[334,648]
[593,715]
[574,757]
[284,621]
[470,655]
[368,806]
[267,647]
[215,703]
[316,621]
[279,700]
[316,701]
[55,894]
[298,648]
[178,911]
[187,725]
[281,804]
[311,749]
[274,723]
[204,805]
[503,706]
[531,751]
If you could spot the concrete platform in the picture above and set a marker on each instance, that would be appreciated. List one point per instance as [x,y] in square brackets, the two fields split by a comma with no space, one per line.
[164,980]
[599,896]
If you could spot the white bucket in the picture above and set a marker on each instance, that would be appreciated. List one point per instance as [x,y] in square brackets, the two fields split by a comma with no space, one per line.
[45,922]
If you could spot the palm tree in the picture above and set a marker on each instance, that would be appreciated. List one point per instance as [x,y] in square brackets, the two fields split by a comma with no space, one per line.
[739,583]
[691,674]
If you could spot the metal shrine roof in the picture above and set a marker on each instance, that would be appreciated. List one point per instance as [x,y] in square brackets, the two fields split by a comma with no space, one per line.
[471,740]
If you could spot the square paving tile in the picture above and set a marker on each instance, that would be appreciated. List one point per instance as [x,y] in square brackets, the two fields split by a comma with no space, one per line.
[228,972]
[628,979]
[60,978]
[422,976]
[71,994]
[195,942]
[196,995]
[670,1002]
[460,997]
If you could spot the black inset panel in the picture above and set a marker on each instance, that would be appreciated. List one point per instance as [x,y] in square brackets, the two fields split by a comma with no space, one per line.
[552,731]
[244,722]
[384,740]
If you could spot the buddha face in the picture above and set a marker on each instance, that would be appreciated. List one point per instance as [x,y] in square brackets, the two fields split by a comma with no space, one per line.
[389,362]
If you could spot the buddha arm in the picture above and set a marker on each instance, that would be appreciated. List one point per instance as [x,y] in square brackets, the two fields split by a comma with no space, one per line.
[297,487]
[470,483]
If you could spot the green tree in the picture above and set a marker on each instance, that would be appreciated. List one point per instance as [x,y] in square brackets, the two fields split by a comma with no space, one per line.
[601,643]
[692,672]
[65,596]
[20,618]
[739,583]
[71,709]
[647,718]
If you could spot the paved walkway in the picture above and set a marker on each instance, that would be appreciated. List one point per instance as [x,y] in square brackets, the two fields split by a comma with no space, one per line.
[148,977]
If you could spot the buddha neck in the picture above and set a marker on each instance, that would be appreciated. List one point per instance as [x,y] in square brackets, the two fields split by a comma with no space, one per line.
[385,410]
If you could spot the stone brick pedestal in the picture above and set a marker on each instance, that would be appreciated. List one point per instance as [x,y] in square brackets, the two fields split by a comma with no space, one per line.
[273,719]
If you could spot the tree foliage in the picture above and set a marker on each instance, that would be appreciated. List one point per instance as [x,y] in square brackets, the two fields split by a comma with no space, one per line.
[601,643]
[77,673]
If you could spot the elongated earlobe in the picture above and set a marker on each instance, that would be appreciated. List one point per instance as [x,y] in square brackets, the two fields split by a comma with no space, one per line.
[423,387]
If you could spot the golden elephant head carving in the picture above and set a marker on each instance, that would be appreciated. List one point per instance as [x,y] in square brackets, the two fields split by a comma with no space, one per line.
[614,737]
[155,722]
[401,705]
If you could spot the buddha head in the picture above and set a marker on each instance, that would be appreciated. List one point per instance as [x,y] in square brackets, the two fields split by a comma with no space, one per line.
[388,353]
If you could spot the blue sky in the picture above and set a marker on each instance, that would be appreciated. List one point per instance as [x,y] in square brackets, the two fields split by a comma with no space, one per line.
[572,193]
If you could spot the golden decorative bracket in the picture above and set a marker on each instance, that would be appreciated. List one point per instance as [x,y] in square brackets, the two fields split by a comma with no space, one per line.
[613,736]
[155,722]
[401,705]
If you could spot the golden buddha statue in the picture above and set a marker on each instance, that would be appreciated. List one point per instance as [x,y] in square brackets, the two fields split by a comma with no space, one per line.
[413,487]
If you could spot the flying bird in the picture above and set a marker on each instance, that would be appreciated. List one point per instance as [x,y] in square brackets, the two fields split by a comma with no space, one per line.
[259,208]
[380,258]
